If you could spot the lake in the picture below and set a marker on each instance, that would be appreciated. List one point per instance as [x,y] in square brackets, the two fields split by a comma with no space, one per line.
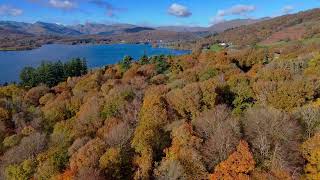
[12,62]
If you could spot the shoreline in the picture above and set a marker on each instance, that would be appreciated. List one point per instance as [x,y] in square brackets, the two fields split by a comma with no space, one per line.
[154,45]
[97,62]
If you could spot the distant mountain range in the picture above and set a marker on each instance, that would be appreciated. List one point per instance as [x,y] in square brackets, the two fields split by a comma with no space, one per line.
[239,32]
[44,28]
[38,28]
[22,36]
[103,29]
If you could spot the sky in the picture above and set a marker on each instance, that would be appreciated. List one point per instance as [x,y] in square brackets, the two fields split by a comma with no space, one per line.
[147,12]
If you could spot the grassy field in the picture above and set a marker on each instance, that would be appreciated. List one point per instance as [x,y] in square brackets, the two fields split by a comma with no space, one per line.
[216,48]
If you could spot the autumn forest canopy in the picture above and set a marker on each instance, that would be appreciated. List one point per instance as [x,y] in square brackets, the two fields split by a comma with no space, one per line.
[247,111]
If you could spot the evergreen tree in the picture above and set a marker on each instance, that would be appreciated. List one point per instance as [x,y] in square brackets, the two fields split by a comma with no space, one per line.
[51,73]
[125,64]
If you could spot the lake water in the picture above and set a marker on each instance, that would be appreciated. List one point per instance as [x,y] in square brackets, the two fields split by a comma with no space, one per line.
[12,62]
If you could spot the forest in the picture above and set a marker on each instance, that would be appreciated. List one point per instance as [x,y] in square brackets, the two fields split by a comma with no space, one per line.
[252,113]
[51,73]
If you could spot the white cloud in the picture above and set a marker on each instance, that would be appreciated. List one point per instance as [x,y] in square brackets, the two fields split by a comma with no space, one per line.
[217,20]
[6,10]
[238,10]
[62,4]
[287,9]
[179,10]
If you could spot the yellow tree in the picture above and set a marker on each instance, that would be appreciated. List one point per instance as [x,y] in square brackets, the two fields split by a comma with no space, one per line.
[311,152]
[148,136]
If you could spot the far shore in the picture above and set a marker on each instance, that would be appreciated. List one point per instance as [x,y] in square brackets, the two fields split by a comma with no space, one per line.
[28,48]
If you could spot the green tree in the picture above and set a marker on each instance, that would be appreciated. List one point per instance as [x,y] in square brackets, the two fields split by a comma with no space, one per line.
[27,77]
[52,73]
[21,171]
[161,64]
[144,60]
[125,64]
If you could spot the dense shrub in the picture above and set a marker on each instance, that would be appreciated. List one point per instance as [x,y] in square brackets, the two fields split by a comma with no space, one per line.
[27,148]
[88,84]
[285,95]
[88,118]
[207,73]
[88,155]
[11,141]
[4,114]
[21,171]
[110,162]
[34,94]
[51,162]
[186,101]
[115,100]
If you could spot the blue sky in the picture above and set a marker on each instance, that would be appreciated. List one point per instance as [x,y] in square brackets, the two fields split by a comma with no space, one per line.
[147,12]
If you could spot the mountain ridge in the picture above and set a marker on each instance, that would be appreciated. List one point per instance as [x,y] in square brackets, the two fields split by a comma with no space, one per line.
[46,28]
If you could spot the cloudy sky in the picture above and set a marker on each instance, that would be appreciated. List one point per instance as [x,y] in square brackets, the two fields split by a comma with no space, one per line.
[147,12]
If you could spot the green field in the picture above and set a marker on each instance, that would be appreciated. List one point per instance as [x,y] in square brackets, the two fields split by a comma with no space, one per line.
[216,48]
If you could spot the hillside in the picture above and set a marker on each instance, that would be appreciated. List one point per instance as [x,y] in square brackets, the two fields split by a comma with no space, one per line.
[220,27]
[5,32]
[284,28]
[112,29]
[39,28]
[43,28]
[182,28]
[232,114]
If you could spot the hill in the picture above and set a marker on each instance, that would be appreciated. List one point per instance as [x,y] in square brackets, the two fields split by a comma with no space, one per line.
[38,28]
[6,32]
[43,28]
[182,28]
[138,29]
[94,28]
[251,113]
[220,27]
[284,28]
